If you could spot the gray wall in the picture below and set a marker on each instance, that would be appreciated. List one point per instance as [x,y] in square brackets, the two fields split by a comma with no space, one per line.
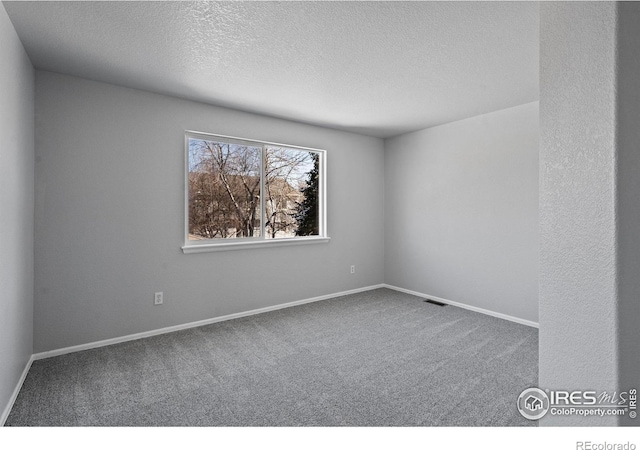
[628,206]
[461,211]
[16,209]
[109,216]
[588,200]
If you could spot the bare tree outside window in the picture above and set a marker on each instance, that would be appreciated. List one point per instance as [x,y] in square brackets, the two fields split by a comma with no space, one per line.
[224,190]
[227,182]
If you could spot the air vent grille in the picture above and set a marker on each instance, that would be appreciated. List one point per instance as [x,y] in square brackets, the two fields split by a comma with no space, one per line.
[433,302]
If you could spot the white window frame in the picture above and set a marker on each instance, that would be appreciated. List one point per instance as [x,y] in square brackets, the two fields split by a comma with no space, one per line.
[215,245]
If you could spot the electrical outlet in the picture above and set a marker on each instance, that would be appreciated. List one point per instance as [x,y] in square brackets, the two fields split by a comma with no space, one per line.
[353,269]
[157,299]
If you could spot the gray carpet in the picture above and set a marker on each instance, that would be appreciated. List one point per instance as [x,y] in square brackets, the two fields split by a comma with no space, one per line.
[379,358]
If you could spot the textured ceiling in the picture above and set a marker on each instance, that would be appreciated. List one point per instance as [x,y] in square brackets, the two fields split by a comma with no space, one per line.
[377,68]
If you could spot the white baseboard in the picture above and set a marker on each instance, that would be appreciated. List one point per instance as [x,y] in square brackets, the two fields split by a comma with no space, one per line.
[132,337]
[469,307]
[16,391]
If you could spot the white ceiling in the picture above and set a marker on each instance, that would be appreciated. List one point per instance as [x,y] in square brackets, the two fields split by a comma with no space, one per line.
[376,68]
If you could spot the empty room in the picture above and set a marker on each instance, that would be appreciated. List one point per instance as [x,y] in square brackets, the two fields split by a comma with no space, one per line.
[319,214]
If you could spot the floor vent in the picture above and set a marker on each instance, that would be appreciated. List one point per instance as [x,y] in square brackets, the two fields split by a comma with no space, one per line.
[433,302]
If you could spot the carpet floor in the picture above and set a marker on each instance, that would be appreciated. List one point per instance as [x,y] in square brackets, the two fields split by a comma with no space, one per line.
[377,358]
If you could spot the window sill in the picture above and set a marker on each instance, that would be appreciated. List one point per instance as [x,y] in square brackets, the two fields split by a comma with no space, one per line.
[225,246]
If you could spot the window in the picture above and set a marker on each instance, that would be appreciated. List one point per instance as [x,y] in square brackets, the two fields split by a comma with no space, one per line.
[244,193]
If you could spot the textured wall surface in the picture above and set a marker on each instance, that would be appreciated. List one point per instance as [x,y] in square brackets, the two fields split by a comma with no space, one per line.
[110,216]
[628,141]
[461,211]
[578,311]
[16,209]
